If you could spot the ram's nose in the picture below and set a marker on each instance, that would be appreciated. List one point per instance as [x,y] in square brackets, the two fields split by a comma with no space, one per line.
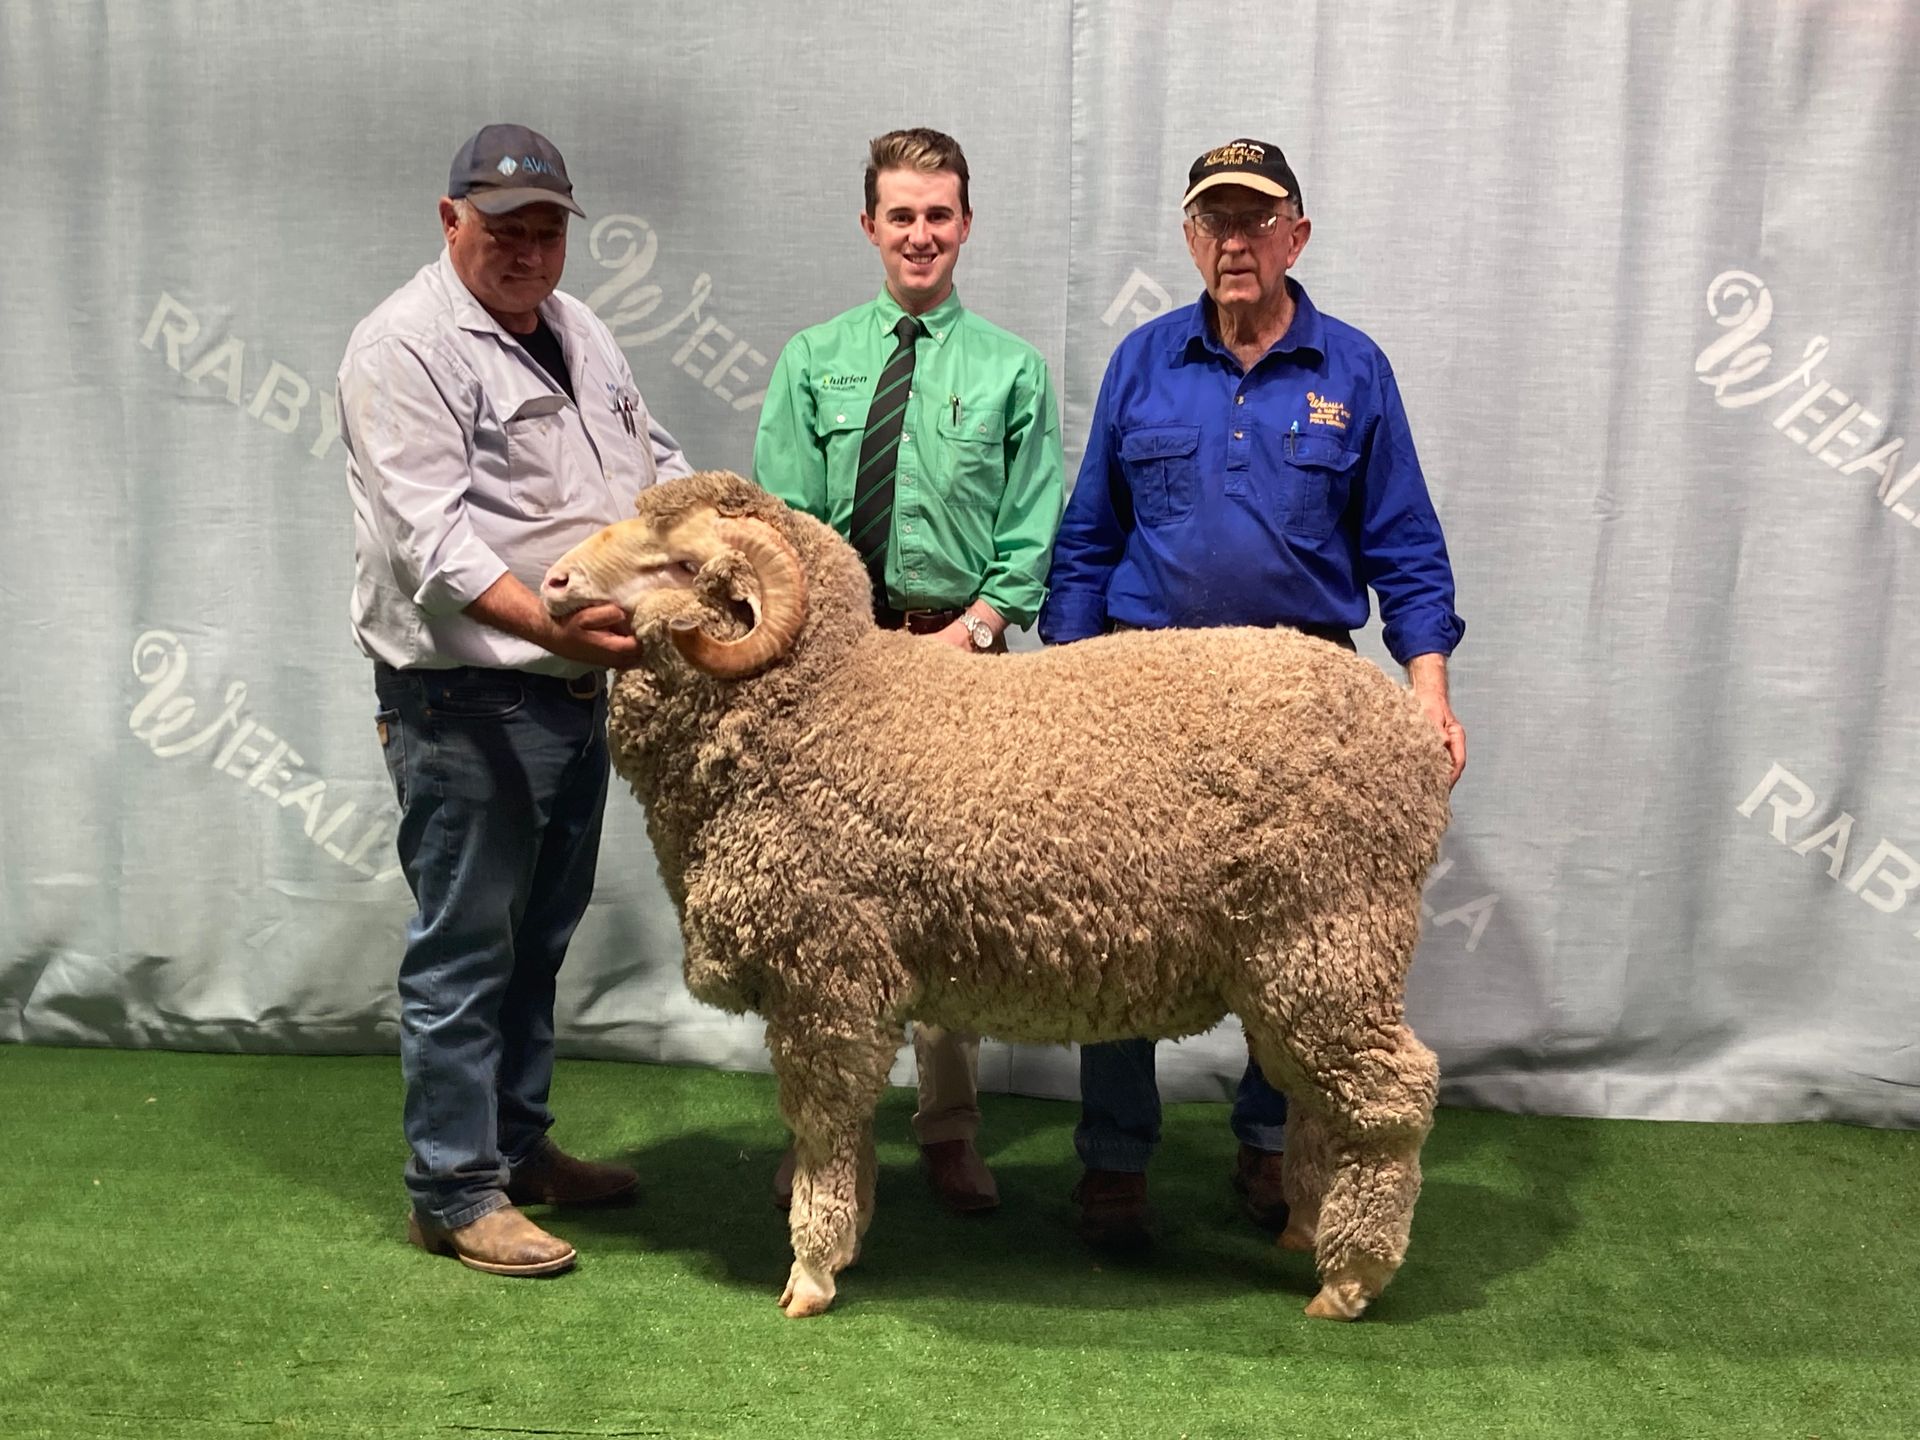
[554,589]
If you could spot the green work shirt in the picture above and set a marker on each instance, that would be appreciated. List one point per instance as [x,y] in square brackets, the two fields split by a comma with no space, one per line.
[980,481]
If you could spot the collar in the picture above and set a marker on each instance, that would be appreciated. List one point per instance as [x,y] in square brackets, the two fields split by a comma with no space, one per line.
[1307,331]
[939,321]
[470,314]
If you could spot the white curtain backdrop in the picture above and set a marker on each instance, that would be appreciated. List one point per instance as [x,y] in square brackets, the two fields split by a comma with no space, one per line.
[1646,274]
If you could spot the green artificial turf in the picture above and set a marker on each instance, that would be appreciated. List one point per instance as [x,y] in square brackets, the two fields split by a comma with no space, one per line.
[210,1246]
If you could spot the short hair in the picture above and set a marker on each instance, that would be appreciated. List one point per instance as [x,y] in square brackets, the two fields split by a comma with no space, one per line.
[928,151]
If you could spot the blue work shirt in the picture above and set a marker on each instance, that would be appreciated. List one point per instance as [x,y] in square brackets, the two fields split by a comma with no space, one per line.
[1212,495]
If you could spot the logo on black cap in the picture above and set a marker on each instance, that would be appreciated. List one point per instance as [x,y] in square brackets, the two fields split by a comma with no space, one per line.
[504,167]
[1252,163]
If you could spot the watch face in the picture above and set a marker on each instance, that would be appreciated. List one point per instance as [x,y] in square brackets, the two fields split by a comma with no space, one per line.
[981,634]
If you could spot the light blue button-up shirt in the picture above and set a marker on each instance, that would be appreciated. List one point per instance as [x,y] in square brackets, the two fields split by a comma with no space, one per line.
[465,461]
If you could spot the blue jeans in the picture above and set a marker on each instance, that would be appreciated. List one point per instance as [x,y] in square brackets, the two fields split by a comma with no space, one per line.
[1120,1108]
[502,779]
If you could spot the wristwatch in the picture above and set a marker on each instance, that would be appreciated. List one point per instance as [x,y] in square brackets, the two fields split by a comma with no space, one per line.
[978,631]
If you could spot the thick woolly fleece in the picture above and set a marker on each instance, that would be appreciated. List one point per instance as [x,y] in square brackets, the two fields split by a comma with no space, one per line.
[1133,835]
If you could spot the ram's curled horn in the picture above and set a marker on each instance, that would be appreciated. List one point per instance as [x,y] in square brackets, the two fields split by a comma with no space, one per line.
[778,600]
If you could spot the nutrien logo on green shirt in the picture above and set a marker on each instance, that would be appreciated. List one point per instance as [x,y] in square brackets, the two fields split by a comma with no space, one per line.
[843,382]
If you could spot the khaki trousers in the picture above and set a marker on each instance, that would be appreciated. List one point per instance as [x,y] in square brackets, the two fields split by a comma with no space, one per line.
[949,1062]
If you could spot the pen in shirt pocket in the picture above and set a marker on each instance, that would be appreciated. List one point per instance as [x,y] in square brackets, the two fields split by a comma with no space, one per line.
[954,402]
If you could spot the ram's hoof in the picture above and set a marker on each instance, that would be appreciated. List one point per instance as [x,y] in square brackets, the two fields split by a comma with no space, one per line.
[1340,1300]
[1297,1237]
[807,1292]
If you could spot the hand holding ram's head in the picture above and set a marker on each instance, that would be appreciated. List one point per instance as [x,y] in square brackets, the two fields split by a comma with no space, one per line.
[703,564]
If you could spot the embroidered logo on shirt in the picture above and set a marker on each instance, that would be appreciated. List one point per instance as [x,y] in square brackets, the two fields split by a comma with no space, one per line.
[843,382]
[1322,411]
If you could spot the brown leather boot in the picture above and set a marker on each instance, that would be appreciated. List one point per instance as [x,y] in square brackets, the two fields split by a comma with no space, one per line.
[501,1242]
[960,1177]
[1256,1175]
[553,1177]
[1113,1209]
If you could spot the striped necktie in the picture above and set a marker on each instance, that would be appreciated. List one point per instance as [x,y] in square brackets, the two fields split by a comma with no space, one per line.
[872,522]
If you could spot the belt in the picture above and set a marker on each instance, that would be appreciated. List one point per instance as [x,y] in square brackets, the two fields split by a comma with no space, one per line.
[577,687]
[914,622]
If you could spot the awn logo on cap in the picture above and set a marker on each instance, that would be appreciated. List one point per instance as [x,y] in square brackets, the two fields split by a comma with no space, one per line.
[1252,163]
[504,167]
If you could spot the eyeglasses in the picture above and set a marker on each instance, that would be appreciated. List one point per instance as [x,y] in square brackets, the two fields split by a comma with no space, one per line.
[518,235]
[1219,224]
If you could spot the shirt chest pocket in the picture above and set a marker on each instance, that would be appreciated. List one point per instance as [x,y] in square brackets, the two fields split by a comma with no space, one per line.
[973,454]
[537,454]
[839,422]
[1314,473]
[1162,466]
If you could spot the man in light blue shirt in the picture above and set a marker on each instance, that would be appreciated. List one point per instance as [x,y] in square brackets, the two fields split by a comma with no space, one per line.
[491,423]
[1249,463]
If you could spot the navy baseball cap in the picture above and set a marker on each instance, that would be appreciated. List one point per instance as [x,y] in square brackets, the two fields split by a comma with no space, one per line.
[1252,163]
[504,167]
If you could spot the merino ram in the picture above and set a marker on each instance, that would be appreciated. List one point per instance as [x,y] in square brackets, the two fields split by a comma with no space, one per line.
[1134,835]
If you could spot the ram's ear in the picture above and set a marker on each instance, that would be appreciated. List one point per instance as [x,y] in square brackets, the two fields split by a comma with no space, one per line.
[759,570]
[663,612]
[728,576]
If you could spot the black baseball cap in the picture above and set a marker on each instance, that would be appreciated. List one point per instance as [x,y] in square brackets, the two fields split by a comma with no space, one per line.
[504,167]
[1252,163]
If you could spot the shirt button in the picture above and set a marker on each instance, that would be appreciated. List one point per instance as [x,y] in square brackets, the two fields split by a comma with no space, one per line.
[839,419]
[1238,400]
[906,439]
[1239,434]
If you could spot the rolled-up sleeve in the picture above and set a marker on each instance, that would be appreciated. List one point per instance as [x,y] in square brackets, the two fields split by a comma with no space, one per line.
[1403,555]
[1029,513]
[410,453]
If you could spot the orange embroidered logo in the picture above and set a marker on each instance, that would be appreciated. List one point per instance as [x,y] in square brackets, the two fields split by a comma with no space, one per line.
[1322,411]
[1240,152]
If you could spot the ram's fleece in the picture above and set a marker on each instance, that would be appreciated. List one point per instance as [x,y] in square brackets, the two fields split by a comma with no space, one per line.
[1134,835]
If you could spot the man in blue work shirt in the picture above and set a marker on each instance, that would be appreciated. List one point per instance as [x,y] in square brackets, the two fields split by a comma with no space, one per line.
[1249,463]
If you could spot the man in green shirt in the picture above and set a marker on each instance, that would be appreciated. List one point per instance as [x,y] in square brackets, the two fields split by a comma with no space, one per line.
[931,440]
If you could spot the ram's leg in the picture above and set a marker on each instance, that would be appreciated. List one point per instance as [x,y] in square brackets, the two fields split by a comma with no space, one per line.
[1366,1215]
[1305,1171]
[1327,1026]
[829,1085]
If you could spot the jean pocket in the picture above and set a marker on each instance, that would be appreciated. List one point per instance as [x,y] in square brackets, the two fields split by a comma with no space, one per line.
[1313,484]
[475,694]
[1162,466]
[393,749]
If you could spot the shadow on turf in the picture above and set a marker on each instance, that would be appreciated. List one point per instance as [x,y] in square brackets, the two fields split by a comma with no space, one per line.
[705,1196]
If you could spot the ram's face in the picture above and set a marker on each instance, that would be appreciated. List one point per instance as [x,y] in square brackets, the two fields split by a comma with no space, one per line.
[628,564]
[728,589]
